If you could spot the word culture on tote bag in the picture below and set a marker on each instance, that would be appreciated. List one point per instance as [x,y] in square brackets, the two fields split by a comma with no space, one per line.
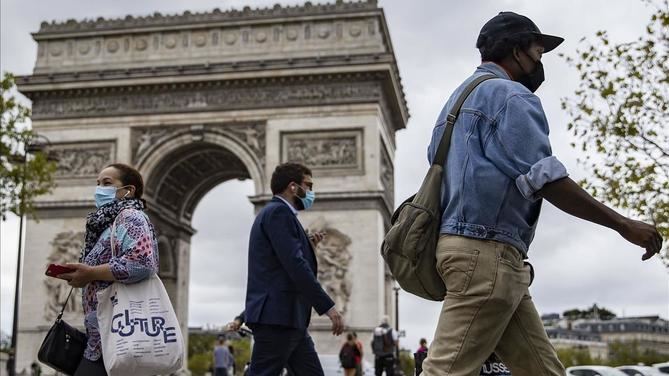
[139,330]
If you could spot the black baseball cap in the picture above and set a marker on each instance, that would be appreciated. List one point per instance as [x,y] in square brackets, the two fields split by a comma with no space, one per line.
[507,24]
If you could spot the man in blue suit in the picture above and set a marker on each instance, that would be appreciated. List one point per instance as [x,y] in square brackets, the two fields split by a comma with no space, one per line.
[282,287]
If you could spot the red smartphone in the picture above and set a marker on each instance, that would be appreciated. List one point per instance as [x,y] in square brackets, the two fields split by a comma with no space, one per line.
[54,270]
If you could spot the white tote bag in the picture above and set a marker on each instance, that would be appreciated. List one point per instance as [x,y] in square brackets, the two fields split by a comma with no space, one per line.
[139,330]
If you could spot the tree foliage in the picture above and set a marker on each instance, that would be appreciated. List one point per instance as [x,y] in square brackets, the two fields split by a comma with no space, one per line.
[619,354]
[626,353]
[201,350]
[619,114]
[593,312]
[574,356]
[407,362]
[23,177]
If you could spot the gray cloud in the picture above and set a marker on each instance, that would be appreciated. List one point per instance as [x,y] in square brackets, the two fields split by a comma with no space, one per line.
[577,263]
[219,253]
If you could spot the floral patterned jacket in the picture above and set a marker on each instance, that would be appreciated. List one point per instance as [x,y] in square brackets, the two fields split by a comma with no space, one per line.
[136,259]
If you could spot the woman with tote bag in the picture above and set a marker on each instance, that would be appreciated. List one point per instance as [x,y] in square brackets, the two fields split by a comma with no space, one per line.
[120,251]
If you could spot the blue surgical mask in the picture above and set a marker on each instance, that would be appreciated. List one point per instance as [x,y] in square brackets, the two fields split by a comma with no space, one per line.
[308,199]
[105,195]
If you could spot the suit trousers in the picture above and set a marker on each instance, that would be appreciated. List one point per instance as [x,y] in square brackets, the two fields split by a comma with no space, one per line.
[277,347]
[488,308]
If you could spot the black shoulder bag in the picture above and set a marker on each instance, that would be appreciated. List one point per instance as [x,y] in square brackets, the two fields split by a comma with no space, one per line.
[63,347]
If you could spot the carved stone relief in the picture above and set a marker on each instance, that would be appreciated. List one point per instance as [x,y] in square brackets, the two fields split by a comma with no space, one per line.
[144,138]
[253,135]
[204,42]
[186,174]
[82,160]
[387,175]
[334,260]
[335,152]
[167,248]
[167,99]
[249,134]
[158,19]
[66,247]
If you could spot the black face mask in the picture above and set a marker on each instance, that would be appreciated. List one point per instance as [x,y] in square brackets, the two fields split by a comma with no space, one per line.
[532,80]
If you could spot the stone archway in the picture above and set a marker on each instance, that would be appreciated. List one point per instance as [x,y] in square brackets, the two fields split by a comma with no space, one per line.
[181,164]
[197,99]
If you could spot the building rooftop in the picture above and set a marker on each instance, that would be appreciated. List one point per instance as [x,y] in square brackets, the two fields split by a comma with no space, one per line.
[189,18]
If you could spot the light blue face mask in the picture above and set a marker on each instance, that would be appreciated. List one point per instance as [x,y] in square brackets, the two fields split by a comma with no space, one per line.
[105,195]
[308,199]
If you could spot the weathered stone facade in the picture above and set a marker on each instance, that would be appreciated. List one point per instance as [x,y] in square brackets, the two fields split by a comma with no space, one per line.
[194,100]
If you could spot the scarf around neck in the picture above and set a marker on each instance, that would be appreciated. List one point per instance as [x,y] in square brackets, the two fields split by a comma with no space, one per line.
[99,220]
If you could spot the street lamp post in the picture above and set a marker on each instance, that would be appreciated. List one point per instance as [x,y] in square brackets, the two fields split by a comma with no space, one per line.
[397,308]
[398,370]
[30,148]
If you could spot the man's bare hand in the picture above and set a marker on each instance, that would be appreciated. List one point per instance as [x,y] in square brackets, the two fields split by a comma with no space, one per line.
[643,235]
[316,237]
[337,321]
[233,326]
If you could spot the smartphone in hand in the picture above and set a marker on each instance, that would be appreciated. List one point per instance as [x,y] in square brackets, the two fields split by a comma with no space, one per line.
[54,270]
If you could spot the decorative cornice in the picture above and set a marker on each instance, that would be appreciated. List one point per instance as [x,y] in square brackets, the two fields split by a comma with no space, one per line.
[65,204]
[215,95]
[300,40]
[25,82]
[189,18]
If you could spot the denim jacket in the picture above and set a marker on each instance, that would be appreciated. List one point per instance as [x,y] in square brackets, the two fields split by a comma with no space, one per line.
[499,157]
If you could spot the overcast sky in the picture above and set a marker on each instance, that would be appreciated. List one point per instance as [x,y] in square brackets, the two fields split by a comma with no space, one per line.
[577,263]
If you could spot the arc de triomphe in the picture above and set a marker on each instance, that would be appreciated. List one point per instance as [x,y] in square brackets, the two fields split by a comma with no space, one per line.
[194,100]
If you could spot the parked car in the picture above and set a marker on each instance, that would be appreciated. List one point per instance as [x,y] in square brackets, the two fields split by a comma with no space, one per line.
[662,367]
[594,371]
[640,370]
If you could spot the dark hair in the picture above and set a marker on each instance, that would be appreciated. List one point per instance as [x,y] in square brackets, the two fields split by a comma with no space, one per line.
[286,173]
[130,176]
[349,337]
[423,341]
[496,49]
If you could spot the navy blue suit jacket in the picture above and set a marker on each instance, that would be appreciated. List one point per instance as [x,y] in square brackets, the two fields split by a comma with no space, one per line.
[282,286]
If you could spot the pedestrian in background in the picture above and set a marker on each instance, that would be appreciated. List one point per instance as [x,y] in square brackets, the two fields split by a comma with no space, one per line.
[384,346]
[420,355]
[223,360]
[358,364]
[349,355]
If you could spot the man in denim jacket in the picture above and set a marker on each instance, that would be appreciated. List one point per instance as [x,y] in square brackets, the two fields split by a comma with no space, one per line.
[498,170]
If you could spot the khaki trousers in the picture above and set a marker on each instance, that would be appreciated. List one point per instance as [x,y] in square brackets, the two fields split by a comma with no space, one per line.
[488,308]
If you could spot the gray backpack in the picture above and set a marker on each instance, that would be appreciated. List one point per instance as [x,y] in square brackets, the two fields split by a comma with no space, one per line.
[409,247]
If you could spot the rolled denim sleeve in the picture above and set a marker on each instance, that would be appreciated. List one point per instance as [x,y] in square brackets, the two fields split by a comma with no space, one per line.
[541,173]
[518,145]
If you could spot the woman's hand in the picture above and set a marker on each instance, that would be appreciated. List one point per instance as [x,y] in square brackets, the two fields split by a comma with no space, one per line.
[80,277]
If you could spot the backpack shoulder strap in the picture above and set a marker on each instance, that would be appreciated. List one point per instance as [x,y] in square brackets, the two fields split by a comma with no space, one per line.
[444,144]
